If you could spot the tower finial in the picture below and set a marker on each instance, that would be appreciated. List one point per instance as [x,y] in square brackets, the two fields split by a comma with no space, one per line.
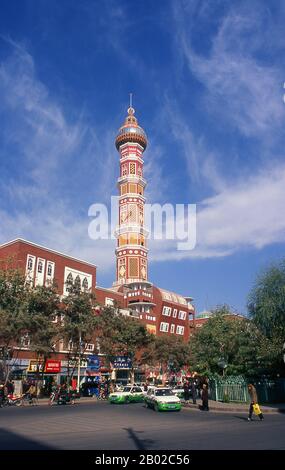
[131,110]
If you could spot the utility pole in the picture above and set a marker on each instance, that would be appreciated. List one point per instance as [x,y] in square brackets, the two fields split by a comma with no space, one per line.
[79,365]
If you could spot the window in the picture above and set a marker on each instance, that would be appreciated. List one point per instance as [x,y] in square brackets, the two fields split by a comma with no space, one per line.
[40,267]
[124,189]
[172,328]
[174,313]
[77,281]
[166,311]
[85,283]
[164,327]
[180,330]
[124,170]
[109,302]
[90,347]
[133,267]
[25,341]
[49,270]
[182,315]
[30,264]
[132,188]
[69,281]
[132,168]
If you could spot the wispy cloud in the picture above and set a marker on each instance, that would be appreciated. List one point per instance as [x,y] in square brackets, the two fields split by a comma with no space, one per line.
[37,200]
[242,89]
[242,216]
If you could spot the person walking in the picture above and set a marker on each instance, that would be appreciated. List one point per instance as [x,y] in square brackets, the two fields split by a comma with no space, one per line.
[205,398]
[253,407]
[193,391]
[186,392]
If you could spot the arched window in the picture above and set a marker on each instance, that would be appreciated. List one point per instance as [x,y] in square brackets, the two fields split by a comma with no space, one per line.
[40,267]
[49,270]
[69,282]
[77,281]
[85,283]
[30,264]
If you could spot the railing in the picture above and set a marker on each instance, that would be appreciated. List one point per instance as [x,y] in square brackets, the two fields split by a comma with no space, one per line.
[268,391]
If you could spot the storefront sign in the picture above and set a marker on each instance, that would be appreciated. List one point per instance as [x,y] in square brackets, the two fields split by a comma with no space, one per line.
[35,366]
[93,362]
[121,362]
[53,367]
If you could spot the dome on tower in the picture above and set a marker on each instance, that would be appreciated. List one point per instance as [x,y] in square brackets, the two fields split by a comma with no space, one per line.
[131,131]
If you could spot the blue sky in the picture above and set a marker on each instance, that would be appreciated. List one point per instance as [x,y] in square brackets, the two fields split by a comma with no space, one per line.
[207,79]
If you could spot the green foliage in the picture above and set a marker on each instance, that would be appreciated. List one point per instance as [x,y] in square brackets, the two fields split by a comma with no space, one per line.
[42,305]
[266,306]
[169,351]
[235,341]
[121,335]
[79,321]
[13,295]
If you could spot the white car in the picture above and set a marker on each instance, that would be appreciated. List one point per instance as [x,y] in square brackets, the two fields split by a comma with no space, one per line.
[178,391]
[129,394]
[162,399]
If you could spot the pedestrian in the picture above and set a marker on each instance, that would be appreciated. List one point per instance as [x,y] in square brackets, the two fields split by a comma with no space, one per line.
[10,387]
[31,394]
[186,392]
[193,391]
[205,398]
[254,406]
[2,395]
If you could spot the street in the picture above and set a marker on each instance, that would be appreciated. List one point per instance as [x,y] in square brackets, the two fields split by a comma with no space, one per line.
[99,425]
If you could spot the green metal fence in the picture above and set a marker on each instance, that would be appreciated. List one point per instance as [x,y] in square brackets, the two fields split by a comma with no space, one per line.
[235,390]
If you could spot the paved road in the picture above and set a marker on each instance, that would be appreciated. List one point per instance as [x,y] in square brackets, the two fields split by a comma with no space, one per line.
[100,425]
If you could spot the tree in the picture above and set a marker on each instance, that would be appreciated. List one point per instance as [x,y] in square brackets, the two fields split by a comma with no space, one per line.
[42,308]
[13,295]
[121,335]
[224,342]
[171,352]
[79,322]
[266,306]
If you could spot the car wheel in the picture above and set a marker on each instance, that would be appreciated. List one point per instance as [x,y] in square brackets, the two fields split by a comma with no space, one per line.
[127,400]
[156,407]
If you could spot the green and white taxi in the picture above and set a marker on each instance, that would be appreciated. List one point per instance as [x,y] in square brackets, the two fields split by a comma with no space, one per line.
[129,394]
[162,399]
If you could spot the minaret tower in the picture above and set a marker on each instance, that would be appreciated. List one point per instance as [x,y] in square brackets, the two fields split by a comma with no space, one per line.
[131,251]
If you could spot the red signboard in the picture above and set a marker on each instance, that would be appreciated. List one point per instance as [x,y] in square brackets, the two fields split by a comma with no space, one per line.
[53,367]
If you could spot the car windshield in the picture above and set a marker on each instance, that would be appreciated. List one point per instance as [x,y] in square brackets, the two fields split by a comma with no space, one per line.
[163,392]
[126,389]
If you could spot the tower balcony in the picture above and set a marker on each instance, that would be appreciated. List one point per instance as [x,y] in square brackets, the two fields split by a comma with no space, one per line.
[132,179]
[132,196]
[132,247]
[131,227]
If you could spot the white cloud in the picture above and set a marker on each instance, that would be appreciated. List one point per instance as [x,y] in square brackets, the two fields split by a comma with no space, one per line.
[35,203]
[241,88]
[247,214]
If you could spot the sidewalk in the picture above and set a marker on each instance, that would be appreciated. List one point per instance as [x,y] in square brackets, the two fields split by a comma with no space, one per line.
[237,407]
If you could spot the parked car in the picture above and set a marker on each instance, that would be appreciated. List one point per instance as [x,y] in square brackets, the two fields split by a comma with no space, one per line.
[178,391]
[129,394]
[162,399]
